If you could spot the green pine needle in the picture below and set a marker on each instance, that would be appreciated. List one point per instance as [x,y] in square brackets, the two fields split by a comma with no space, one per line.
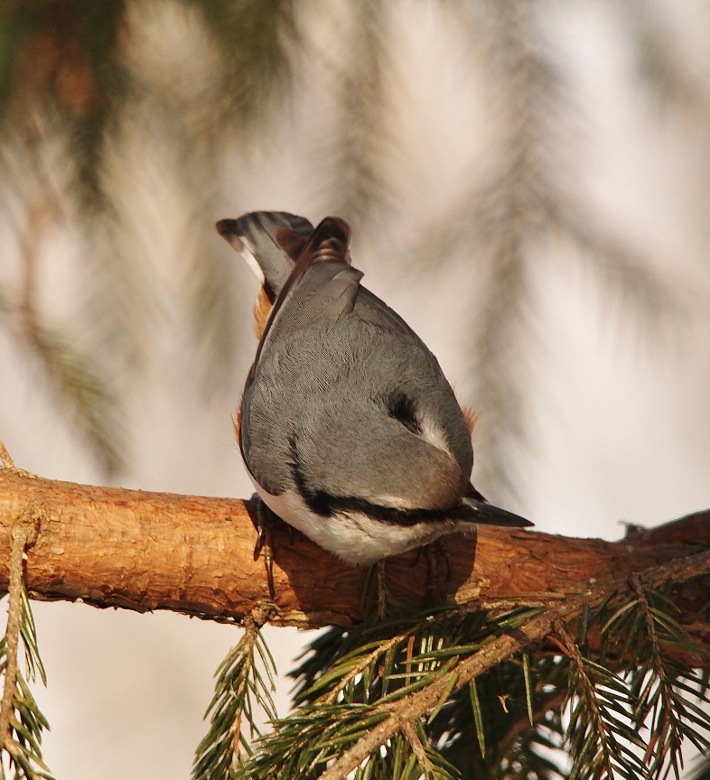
[477,717]
[240,684]
[27,723]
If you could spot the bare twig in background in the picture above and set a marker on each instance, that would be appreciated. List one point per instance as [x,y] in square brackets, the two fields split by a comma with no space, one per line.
[356,142]
[504,224]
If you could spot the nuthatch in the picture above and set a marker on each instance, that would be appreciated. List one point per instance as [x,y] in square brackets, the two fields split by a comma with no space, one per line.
[348,428]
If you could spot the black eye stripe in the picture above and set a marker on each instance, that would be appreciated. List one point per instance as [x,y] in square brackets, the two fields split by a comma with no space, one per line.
[402,408]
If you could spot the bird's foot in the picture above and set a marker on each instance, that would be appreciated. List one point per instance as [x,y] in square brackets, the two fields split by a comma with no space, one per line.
[263,519]
[373,602]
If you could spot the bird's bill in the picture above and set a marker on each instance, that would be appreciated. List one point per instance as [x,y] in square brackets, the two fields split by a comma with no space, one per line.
[487,514]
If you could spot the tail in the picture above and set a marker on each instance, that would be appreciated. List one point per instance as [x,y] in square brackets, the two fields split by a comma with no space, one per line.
[269,255]
[483,513]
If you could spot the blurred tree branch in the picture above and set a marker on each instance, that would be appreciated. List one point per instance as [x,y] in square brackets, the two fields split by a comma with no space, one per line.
[145,551]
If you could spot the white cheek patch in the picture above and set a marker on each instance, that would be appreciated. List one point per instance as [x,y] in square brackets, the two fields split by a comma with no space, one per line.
[433,434]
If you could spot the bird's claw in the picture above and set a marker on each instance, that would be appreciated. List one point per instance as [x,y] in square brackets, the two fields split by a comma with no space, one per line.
[263,518]
[433,550]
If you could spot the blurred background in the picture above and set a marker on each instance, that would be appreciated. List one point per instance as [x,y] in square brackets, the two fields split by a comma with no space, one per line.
[528,183]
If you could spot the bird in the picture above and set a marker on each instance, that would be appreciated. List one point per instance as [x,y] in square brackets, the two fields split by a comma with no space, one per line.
[348,428]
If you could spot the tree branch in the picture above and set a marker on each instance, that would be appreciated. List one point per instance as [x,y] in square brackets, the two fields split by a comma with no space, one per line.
[113,547]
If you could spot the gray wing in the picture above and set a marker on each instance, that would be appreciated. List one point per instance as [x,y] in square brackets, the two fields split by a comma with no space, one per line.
[349,408]
[329,409]
[326,293]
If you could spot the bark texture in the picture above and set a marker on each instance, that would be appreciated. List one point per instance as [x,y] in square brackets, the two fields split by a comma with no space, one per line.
[113,547]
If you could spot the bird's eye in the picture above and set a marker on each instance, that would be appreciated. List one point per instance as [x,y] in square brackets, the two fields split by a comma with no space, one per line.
[402,408]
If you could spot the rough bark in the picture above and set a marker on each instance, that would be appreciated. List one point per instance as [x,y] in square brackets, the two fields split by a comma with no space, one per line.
[113,547]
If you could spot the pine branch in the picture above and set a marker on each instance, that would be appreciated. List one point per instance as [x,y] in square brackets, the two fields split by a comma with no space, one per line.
[415,705]
[666,689]
[620,271]
[65,59]
[239,680]
[81,392]
[388,679]
[658,695]
[506,216]
[21,722]
[601,711]
[604,719]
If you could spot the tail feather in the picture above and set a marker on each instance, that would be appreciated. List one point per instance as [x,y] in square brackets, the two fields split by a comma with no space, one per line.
[256,237]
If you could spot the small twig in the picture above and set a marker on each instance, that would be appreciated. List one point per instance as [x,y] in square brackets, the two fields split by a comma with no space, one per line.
[7,462]
[409,731]
[542,599]
[260,615]
[23,534]
[650,626]
[9,466]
